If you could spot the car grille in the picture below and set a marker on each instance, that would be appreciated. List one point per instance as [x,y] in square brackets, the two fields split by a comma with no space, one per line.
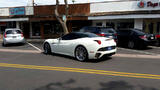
[107,48]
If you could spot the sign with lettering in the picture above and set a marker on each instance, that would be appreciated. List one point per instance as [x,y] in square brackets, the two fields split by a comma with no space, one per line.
[152,4]
[4,12]
[17,11]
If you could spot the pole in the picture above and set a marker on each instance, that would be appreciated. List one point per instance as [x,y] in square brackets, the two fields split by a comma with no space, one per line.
[33,3]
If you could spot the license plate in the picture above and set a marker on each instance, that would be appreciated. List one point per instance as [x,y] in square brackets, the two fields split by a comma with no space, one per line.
[109,48]
[14,37]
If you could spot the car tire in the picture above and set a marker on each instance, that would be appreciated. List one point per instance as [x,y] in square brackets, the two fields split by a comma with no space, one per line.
[3,44]
[131,44]
[47,48]
[81,53]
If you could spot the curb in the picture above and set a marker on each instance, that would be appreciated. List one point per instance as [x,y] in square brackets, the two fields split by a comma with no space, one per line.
[35,40]
[31,40]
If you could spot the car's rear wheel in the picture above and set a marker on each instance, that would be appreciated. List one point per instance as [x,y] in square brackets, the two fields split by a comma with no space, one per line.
[131,44]
[81,53]
[47,48]
[3,44]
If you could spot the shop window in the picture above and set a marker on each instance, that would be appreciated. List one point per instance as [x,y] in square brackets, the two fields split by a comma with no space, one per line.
[150,28]
[125,25]
[110,25]
[99,24]
[35,29]
[48,28]
[58,29]
[52,28]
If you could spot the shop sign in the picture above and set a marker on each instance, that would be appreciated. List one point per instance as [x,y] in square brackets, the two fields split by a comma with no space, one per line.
[151,4]
[143,4]
[17,11]
[4,12]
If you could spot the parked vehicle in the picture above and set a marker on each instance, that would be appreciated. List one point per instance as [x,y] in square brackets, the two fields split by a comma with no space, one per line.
[101,31]
[13,35]
[158,39]
[80,45]
[135,38]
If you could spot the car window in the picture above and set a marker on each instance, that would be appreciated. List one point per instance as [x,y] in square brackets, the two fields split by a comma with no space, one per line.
[13,32]
[72,36]
[89,29]
[83,35]
[138,32]
[124,32]
[108,30]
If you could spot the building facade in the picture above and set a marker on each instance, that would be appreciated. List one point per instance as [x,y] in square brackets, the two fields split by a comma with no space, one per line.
[141,14]
[40,21]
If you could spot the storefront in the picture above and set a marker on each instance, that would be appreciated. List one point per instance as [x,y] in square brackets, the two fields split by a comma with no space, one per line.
[143,14]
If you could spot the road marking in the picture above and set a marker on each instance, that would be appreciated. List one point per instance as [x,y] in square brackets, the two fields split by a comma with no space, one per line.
[142,52]
[19,51]
[137,56]
[34,47]
[80,70]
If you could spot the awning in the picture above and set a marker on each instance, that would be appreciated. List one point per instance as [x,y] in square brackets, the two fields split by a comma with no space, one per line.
[132,16]
[14,19]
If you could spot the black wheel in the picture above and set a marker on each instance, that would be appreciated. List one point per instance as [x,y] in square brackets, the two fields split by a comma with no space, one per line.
[47,48]
[3,44]
[131,44]
[81,53]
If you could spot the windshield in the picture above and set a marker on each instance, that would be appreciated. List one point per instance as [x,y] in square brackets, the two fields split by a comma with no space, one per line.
[13,32]
[108,30]
[139,32]
[90,35]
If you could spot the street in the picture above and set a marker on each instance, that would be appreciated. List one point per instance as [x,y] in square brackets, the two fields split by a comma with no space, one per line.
[25,67]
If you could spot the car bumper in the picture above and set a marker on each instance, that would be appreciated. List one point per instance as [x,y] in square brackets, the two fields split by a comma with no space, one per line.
[100,54]
[12,41]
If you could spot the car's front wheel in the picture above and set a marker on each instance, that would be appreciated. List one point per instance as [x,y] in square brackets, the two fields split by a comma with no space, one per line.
[131,44]
[47,48]
[81,53]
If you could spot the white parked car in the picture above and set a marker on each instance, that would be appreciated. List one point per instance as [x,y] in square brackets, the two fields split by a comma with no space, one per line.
[13,35]
[80,45]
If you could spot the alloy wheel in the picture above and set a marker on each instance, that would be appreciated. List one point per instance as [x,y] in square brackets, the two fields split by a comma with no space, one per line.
[47,48]
[81,53]
[131,44]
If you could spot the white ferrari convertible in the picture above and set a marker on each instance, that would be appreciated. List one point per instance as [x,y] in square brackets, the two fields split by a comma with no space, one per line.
[80,45]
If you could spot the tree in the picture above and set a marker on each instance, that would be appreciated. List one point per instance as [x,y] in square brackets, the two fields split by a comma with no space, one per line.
[60,18]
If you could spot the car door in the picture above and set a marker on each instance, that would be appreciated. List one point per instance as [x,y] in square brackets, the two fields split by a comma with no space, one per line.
[123,36]
[66,44]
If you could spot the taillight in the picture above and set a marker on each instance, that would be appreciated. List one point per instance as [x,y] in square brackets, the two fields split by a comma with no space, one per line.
[22,35]
[143,37]
[101,35]
[157,36]
[98,41]
[5,35]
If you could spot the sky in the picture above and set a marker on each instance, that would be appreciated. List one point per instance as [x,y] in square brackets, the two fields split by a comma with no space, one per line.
[14,3]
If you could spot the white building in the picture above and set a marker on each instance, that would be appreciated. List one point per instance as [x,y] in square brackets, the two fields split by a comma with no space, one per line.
[141,14]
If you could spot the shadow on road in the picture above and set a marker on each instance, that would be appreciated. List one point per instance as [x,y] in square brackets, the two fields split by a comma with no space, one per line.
[62,86]
[105,58]
[14,45]
[112,85]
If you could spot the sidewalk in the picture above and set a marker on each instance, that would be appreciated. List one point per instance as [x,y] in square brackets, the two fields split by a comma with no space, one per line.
[31,40]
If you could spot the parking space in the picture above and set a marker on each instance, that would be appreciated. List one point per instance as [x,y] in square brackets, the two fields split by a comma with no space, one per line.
[27,47]
[150,50]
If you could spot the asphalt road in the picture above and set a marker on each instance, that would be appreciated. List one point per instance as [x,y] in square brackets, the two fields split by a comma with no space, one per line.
[24,67]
